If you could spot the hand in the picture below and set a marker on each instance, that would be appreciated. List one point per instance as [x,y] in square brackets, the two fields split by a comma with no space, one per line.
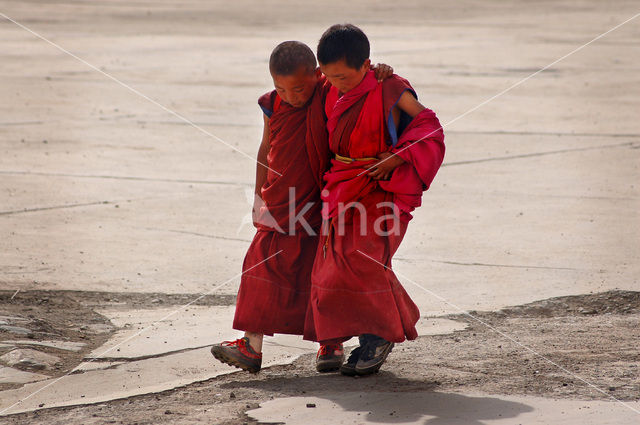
[383,169]
[255,211]
[382,71]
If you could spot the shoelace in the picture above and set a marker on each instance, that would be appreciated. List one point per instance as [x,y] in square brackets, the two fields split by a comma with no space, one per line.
[237,343]
[243,346]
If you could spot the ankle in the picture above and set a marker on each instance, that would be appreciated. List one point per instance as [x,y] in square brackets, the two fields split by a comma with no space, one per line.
[255,341]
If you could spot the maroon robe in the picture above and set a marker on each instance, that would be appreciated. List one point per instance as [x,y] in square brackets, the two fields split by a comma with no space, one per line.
[352,294]
[273,295]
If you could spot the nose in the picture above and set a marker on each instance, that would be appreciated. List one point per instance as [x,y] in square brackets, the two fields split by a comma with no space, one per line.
[291,99]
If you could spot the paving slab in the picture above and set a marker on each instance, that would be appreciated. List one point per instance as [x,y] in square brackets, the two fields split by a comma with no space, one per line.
[151,332]
[10,375]
[442,409]
[168,355]
[61,345]
[125,380]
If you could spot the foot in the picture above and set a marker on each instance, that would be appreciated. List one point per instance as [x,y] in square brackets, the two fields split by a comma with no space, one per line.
[238,353]
[329,358]
[373,355]
[349,368]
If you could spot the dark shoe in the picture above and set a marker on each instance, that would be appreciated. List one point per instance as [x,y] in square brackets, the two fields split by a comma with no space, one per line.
[349,368]
[238,353]
[373,355]
[329,358]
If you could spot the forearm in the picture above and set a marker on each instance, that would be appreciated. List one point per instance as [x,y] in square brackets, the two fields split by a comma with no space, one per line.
[263,151]
[261,169]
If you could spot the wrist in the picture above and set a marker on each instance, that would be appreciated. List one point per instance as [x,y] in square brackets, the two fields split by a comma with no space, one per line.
[397,161]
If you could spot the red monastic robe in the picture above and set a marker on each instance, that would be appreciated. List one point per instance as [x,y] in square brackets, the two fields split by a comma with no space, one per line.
[352,294]
[273,296]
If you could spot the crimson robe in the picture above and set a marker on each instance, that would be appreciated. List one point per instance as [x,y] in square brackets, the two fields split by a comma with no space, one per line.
[350,293]
[273,295]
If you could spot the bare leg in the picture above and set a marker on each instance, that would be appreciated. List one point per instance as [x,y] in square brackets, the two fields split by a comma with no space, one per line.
[255,340]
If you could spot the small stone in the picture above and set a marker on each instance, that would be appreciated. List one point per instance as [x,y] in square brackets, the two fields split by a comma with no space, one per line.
[232,395]
[15,330]
[61,345]
[309,405]
[612,388]
[168,412]
[583,310]
[30,359]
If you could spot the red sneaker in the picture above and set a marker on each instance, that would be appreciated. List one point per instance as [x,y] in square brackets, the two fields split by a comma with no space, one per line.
[329,357]
[238,353]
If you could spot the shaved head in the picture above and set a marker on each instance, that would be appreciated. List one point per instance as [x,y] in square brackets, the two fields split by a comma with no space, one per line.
[289,56]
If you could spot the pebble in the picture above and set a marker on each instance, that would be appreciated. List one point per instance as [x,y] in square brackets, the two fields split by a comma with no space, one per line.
[31,359]
[15,330]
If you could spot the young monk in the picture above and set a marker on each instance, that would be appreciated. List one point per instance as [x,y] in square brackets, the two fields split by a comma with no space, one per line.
[388,148]
[274,294]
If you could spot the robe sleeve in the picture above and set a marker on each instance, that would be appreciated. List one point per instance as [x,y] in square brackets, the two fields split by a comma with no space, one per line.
[392,88]
[422,146]
[266,102]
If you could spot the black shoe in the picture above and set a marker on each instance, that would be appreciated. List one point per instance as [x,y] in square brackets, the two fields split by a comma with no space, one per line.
[373,356]
[349,368]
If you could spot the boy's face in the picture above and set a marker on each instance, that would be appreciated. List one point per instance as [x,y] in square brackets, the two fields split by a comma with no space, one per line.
[297,88]
[342,76]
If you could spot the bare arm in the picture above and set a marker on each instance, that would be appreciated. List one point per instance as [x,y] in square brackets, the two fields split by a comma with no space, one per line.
[408,104]
[261,168]
[382,169]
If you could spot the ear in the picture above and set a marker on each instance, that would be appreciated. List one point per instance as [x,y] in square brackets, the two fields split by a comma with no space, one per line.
[318,72]
[367,64]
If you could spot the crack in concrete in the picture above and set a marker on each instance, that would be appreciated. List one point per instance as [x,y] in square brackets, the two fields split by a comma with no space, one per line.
[204,235]
[461,263]
[544,133]
[534,154]
[97,176]
[457,263]
[56,207]
[276,344]
[144,357]
[26,210]
[201,123]
[21,123]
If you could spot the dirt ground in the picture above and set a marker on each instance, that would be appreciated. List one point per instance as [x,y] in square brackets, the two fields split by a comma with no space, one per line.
[593,337]
[69,316]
